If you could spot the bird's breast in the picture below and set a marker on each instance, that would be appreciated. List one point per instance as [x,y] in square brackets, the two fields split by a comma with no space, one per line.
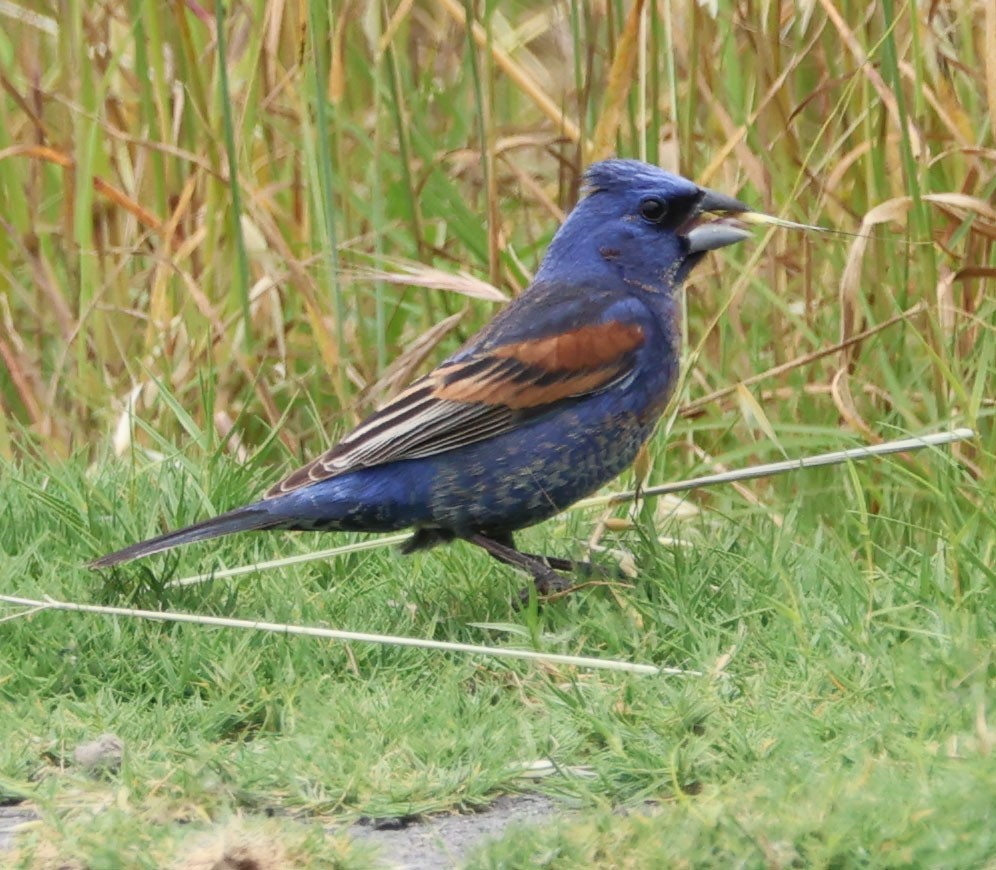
[534,472]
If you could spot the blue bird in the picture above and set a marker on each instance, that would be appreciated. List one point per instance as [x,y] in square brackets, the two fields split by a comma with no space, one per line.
[547,403]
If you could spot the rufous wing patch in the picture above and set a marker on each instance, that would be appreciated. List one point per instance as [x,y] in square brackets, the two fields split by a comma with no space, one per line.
[528,374]
[586,347]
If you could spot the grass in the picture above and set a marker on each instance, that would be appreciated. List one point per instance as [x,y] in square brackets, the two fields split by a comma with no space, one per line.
[173,346]
[842,714]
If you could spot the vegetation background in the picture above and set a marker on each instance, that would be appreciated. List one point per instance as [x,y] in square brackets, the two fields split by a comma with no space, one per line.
[230,231]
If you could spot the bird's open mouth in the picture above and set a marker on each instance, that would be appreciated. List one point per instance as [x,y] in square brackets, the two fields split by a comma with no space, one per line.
[703,218]
[713,224]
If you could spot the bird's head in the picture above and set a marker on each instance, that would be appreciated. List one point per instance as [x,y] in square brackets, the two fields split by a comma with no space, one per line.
[645,224]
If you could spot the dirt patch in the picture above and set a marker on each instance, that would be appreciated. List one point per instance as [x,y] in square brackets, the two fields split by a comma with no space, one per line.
[429,843]
[11,821]
[444,841]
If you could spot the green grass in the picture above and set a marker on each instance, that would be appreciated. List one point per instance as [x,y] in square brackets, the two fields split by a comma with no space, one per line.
[841,716]
[842,618]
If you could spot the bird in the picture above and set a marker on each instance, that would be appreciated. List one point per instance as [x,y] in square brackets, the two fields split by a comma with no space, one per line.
[548,402]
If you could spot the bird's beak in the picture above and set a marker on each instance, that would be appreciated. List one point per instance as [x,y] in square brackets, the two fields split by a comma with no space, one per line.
[703,234]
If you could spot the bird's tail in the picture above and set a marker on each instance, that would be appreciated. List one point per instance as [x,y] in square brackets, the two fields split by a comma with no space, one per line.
[239,520]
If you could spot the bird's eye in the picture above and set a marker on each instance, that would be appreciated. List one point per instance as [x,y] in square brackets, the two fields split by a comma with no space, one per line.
[653,210]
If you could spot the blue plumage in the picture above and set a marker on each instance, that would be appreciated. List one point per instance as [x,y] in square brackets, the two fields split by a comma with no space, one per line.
[547,403]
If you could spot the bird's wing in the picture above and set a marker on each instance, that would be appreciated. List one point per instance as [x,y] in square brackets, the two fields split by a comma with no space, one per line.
[480,394]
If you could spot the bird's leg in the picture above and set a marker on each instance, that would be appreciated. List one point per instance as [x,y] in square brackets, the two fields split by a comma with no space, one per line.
[538,567]
[426,539]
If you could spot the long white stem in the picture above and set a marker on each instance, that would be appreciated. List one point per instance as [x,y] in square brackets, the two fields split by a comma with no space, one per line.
[328,553]
[758,217]
[352,636]
[836,457]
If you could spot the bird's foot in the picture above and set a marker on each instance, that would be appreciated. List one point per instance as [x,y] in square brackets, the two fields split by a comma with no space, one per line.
[551,585]
[543,569]
[581,568]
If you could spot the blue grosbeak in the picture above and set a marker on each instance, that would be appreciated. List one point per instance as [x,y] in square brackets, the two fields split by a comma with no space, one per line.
[548,402]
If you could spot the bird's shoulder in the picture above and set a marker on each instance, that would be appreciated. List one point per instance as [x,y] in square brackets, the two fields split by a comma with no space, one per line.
[551,308]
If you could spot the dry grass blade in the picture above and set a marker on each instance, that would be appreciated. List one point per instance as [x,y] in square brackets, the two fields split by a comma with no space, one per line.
[840,390]
[534,189]
[946,309]
[18,13]
[989,28]
[419,275]
[895,210]
[851,287]
[22,382]
[692,409]
[397,19]
[50,155]
[734,141]
[618,85]
[402,370]
[961,203]
[750,164]
[328,553]
[753,414]
[883,91]
[517,74]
